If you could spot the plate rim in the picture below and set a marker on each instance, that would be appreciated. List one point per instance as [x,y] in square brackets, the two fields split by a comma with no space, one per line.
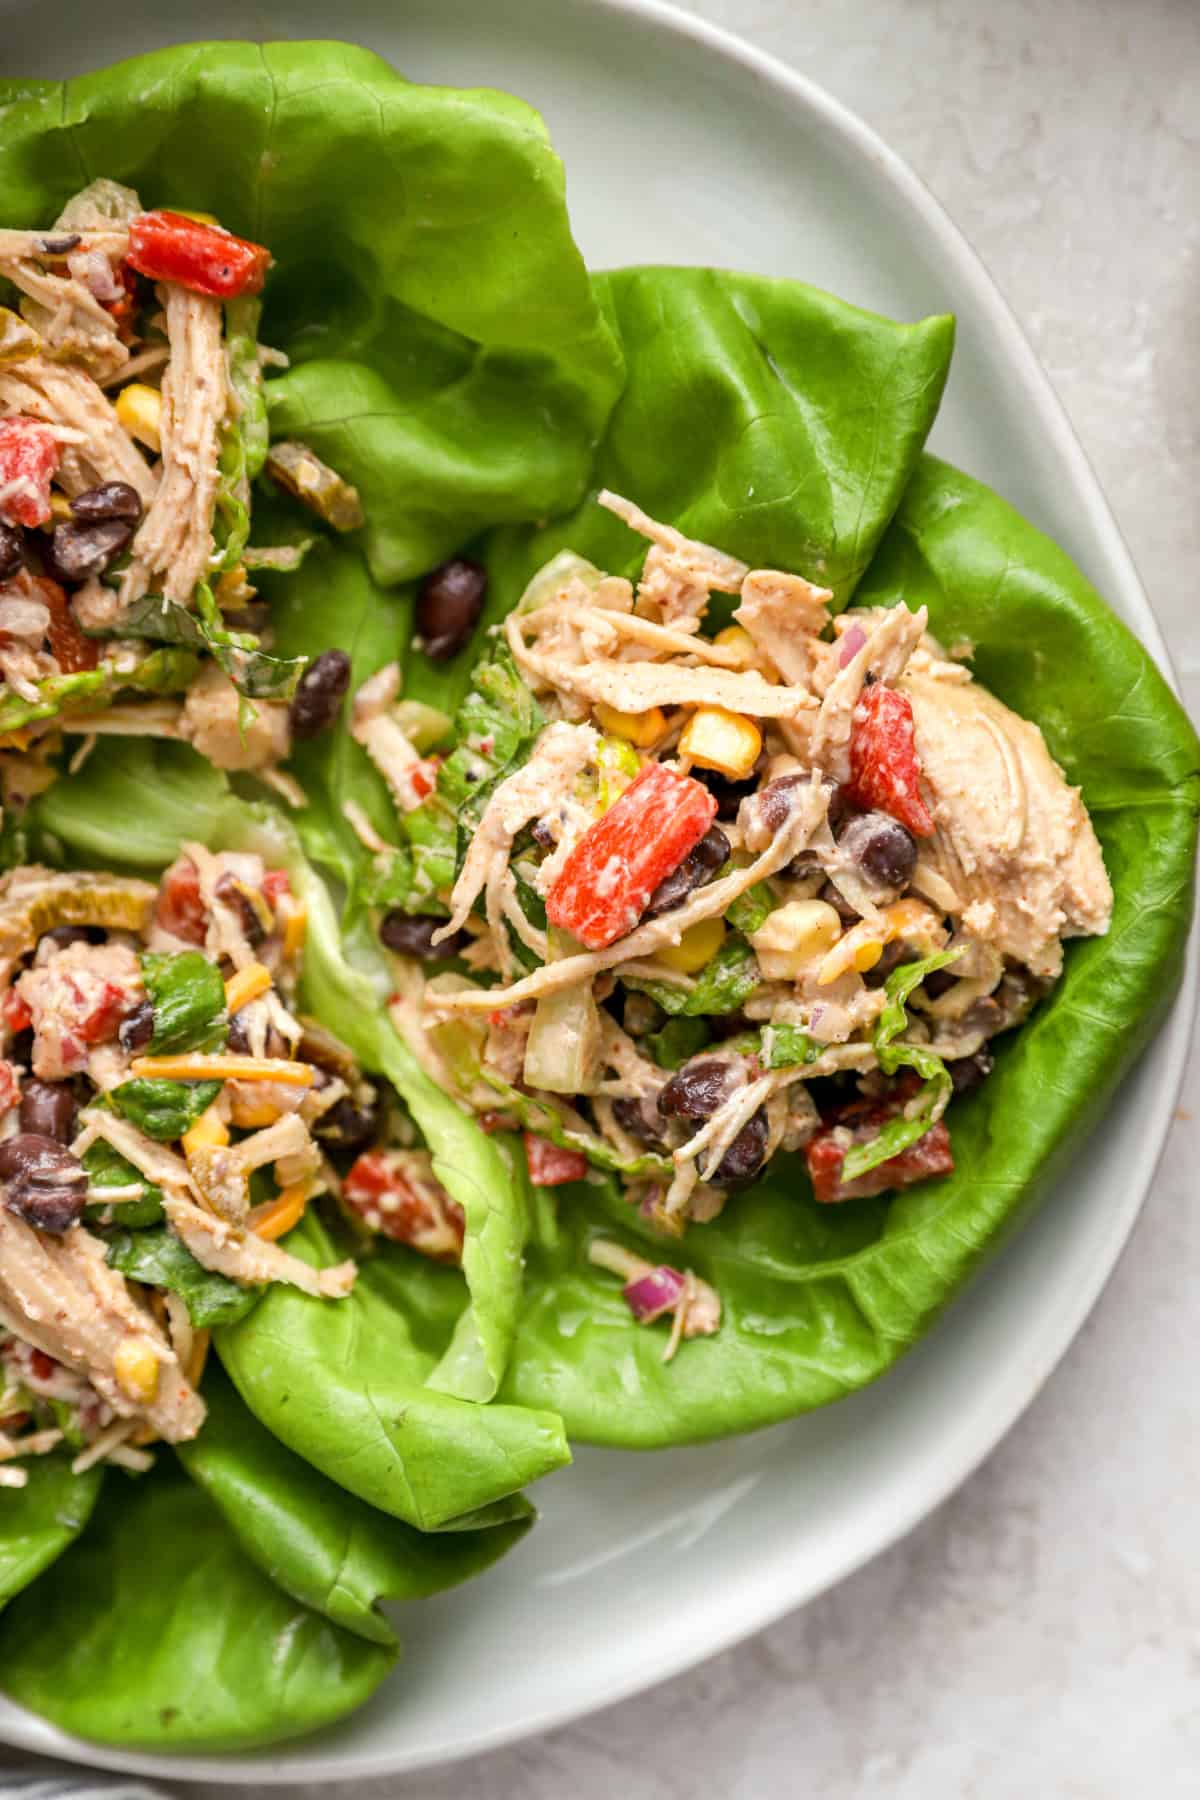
[763,1607]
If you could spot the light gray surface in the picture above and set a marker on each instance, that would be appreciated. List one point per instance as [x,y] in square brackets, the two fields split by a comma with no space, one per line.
[1040,1634]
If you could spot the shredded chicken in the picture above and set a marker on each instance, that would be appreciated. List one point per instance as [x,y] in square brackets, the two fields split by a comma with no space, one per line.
[785,615]
[222,1173]
[212,720]
[559,756]
[65,394]
[892,637]
[67,315]
[241,1256]
[679,573]
[173,546]
[60,1295]
[1012,839]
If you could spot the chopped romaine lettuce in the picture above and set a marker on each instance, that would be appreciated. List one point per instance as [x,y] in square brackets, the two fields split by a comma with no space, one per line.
[106,1167]
[188,997]
[158,1258]
[164,1110]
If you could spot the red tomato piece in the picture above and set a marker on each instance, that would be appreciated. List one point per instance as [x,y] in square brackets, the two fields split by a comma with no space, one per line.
[100,1021]
[605,884]
[930,1155]
[206,258]
[276,884]
[17,1015]
[71,650]
[390,1198]
[29,458]
[550,1166]
[884,770]
[10,1087]
[180,906]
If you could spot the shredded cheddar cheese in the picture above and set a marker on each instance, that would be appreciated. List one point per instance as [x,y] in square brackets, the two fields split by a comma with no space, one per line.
[196,1066]
[246,985]
[278,1216]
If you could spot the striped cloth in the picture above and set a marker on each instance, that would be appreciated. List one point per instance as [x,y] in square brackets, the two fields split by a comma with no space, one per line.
[51,1781]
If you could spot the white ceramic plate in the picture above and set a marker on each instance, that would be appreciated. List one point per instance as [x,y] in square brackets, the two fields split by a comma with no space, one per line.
[683,145]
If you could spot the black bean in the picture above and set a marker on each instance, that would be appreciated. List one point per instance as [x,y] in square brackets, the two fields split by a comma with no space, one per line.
[448,606]
[728,794]
[59,246]
[701,862]
[62,935]
[881,846]
[841,906]
[969,1072]
[411,934]
[42,1182]
[12,551]
[637,1118]
[346,1125]
[543,833]
[696,1090]
[744,1156]
[48,1110]
[239,1035]
[939,982]
[893,955]
[111,500]
[136,1028]
[78,549]
[318,698]
[774,802]
[230,892]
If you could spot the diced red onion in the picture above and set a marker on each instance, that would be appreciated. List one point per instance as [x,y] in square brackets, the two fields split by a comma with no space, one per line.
[851,644]
[650,1296]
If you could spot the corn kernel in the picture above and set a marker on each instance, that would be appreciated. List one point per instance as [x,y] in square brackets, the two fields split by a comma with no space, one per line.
[210,1132]
[642,728]
[139,409]
[792,938]
[16,740]
[696,948]
[278,1216]
[246,985]
[736,637]
[720,740]
[294,932]
[136,1368]
[60,507]
[862,946]
[201,218]
[867,955]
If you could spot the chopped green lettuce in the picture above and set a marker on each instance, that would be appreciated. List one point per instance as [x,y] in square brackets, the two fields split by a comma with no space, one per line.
[158,1258]
[188,997]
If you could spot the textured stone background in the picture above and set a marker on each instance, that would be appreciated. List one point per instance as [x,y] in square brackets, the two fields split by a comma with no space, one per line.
[1040,1634]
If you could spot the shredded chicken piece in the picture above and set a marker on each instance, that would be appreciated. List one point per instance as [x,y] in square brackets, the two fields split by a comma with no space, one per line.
[212,721]
[679,573]
[605,628]
[68,316]
[1011,837]
[785,615]
[638,686]
[67,1302]
[560,754]
[707,902]
[65,394]
[891,640]
[173,546]
[251,1260]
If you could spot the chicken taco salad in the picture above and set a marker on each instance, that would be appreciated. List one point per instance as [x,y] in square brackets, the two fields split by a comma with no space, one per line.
[553,887]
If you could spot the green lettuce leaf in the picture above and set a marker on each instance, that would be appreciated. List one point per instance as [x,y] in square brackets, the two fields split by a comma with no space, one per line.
[106,1167]
[445,342]
[327,1549]
[162,672]
[818,1301]
[188,997]
[158,1631]
[721,986]
[163,1109]
[346,1387]
[42,1519]
[157,1257]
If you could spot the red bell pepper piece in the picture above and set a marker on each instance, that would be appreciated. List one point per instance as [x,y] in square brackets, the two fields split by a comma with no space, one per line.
[605,884]
[206,258]
[180,907]
[71,650]
[17,1015]
[825,1153]
[29,458]
[884,770]
[551,1166]
[378,1189]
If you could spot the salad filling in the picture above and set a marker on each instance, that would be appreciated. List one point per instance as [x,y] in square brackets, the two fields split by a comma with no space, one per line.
[165,1117]
[133,427]
[693,885]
